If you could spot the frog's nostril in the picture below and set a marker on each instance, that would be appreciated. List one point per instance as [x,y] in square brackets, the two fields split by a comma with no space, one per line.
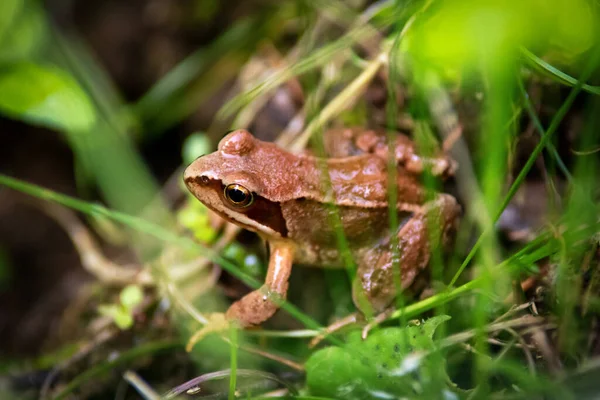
[190,175]
[193,179]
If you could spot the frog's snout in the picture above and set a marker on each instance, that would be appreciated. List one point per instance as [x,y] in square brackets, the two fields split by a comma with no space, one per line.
[191,175]
[188,175]
[196,174]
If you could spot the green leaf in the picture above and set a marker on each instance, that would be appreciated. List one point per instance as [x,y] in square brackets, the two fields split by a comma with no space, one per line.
[391,362]
[249,262]
[131,296]
[121,317]
[194,216]
[428,327]
[196,145]
[8,11]
[46,96]
[25,33]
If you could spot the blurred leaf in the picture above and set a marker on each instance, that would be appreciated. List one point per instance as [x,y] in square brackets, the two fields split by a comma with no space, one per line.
[121,317]
[572,27]
[28,31]
[194,216]
[8,11]
[122,313]
[248,262]
[195,145]
[46,96]
[391,362]
[107,153]
[52,358]
[235,252]
[131,296]
[462,33]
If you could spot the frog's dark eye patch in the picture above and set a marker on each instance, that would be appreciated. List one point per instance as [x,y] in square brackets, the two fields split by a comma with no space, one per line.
[255,207]
[267,213]
[238,195]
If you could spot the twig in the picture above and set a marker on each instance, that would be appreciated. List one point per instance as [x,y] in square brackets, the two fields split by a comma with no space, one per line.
[91,257]
[520,322]
[140,385]
[342,101]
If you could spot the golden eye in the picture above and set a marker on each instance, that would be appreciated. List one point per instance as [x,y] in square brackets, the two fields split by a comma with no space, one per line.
[238,195]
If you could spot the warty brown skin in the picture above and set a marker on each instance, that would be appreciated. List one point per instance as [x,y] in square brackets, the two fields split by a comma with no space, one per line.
[292,210]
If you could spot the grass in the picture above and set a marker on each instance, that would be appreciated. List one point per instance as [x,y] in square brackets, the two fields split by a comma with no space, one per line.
[501,341]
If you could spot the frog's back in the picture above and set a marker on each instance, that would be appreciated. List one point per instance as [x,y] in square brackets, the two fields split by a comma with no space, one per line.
[363,181]
[312,226]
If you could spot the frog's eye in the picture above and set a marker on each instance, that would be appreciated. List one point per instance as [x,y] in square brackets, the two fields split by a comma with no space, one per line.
[238,195]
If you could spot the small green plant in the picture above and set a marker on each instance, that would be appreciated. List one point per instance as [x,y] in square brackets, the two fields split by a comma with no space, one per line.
[122,312]
[390,363]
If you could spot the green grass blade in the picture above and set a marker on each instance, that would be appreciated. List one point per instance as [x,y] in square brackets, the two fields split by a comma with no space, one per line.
[233,363]
[538,126]
[151,229]
[554,72]
[318,58]
[554,124]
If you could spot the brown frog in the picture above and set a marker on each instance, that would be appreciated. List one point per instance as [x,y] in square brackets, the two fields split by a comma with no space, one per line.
[281,196]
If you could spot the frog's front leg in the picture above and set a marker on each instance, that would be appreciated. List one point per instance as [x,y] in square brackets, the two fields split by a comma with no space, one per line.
[259,305]
[423,231]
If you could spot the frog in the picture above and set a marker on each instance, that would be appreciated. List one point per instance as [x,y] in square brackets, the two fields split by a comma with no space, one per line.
[293,200]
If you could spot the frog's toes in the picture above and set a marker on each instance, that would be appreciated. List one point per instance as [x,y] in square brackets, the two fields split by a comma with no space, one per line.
[376,321]
[366,329]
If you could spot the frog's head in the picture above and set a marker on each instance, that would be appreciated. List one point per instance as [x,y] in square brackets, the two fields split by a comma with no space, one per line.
[245,181]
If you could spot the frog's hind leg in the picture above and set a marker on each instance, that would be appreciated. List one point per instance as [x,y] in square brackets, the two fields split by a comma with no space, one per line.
[376,284]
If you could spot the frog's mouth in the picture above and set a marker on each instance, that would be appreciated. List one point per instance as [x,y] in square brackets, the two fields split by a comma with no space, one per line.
[262,216]
[233,220]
